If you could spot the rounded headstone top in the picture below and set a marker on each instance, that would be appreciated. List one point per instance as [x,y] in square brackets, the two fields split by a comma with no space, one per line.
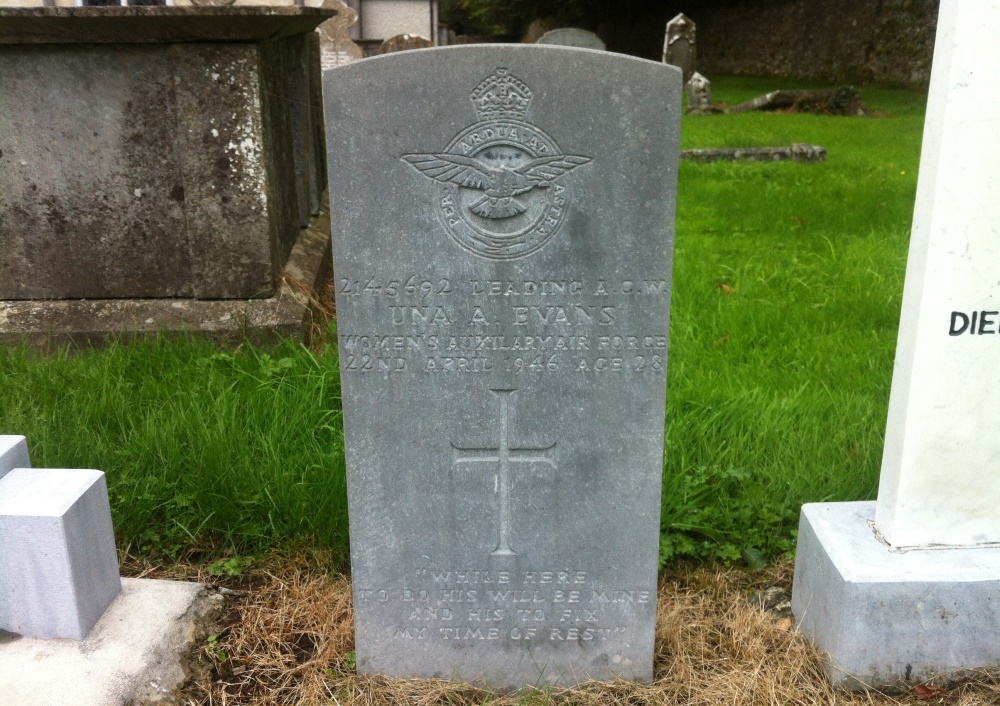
[573,37]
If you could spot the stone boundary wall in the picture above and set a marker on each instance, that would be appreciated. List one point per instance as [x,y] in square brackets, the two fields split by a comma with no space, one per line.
[854,41]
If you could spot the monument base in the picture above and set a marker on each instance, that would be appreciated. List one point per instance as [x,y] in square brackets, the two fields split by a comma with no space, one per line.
[51,324]
[139,652]
[889,618]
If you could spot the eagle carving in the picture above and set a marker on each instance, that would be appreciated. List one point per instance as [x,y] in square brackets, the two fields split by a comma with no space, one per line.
[500,184]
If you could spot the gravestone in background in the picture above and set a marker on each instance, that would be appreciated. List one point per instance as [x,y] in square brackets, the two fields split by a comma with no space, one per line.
[679,45]
[403,42]
[503,259]
[905,588]
[699,95]
[336,45]
[572,37]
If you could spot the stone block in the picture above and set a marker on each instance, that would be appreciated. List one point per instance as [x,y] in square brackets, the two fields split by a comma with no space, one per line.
[58,565]
[158,160]
[13,454]
[886,618]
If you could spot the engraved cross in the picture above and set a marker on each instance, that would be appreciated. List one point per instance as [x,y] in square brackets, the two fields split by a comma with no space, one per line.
[503,455]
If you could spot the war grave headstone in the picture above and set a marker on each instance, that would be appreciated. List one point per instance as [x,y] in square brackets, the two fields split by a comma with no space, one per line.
[573,37]
[503,260]
[679,44]
[905,588]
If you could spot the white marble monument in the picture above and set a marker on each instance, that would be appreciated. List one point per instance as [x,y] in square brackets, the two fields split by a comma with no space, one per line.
[13,453]
[58,565]
[904,588]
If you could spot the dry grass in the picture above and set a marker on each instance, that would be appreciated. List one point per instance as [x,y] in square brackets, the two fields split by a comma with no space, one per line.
[292,634]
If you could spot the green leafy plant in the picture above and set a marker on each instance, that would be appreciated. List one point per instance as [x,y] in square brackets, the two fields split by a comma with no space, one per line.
[214,649]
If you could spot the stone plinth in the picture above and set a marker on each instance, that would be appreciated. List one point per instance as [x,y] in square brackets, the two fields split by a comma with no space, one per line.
[891,618]
[140,651]
[58,565]
[155,152]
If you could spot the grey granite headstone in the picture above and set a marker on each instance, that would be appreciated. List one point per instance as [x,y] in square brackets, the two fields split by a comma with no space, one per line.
[572,37]
[679,44]
[503,268]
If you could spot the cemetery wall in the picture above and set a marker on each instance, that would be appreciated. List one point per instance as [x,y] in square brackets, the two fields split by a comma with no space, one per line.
[833,40]
[857,41]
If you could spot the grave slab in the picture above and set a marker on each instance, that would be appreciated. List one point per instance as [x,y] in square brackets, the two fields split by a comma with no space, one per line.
[503,259]
[13,453]
[58,564]
[888,618]
[135,655]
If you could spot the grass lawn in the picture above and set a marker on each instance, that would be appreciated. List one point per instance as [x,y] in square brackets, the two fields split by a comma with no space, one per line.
[787,286]
[788,281]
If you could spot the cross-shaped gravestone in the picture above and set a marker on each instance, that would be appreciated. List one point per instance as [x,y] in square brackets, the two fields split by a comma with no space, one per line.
[503,454]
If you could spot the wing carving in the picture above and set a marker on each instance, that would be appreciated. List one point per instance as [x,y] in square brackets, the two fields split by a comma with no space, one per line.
[452,168]
[549,168]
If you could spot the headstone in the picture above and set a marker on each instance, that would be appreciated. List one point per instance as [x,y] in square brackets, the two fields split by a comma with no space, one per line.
[58,564]
[336,45]
[905,588]
[679,45]
[699,94]
[503,262]
[404,42]
[13,454]
[573,37]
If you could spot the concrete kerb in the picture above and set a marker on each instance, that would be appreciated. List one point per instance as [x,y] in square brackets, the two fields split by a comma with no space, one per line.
[142,651]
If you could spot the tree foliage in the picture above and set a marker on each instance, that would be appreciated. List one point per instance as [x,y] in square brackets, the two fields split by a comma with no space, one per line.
[509,18]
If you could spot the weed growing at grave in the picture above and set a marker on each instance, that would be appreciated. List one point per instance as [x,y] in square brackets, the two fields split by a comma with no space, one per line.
[787,287]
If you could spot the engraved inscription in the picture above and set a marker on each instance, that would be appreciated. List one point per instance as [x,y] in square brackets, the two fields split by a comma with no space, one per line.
[503,455]
[501,194]
[444,326]
[531,605]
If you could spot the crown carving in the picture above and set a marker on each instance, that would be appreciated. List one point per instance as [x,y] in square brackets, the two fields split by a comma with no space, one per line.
[501,96]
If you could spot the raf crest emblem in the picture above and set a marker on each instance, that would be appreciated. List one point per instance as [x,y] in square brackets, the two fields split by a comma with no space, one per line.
[500,192]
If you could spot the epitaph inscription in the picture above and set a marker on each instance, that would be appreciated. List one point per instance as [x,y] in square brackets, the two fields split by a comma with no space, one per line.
[503,291]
